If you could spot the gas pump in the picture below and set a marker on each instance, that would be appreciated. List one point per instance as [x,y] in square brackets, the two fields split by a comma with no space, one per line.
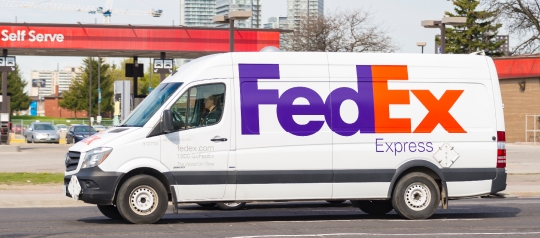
[5,129]
[122,100]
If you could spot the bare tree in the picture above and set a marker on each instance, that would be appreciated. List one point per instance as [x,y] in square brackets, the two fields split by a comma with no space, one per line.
[521,18]
[346,31]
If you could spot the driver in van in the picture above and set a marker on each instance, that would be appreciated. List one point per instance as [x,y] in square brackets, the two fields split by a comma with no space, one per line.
[213,111]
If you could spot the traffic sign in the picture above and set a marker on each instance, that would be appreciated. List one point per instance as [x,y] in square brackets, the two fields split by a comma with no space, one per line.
[99,95]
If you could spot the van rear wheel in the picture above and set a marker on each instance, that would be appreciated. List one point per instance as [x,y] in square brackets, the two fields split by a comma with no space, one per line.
[231,205]
[142,199]
[374,207]
[416,196]
[336,201]
[110,211]
[206,204]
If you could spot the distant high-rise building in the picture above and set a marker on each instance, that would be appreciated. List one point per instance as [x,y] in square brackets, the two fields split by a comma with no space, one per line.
[277,22]
[505,48]
[296,9]
[197,12]
[44,81]
[223,7]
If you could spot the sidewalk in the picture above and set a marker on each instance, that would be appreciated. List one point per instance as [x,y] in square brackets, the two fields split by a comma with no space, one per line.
[523,178]
[12,196]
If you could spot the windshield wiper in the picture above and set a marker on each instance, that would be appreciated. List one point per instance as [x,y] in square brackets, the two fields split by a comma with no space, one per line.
[128,126]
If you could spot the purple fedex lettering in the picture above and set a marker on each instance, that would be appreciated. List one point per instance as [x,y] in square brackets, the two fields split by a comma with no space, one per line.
[251,96]
[363,98]
[286,110]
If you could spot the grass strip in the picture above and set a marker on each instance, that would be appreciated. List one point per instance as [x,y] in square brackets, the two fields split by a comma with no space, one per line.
[31,178]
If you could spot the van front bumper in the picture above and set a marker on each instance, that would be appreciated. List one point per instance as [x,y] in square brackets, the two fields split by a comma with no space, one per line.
[97,187]
[499,183]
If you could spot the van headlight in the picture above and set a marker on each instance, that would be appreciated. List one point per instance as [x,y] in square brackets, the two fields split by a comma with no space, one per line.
[96,156]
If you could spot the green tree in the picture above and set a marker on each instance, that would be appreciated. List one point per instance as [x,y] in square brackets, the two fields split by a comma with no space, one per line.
[145,82]
[71,99]
[15,86]
[76,98]
[479,33]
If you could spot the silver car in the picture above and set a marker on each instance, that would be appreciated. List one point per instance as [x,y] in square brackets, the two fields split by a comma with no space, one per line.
[42,132]
[99,128]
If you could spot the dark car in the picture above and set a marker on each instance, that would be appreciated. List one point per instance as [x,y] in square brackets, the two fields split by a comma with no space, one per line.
[78,133]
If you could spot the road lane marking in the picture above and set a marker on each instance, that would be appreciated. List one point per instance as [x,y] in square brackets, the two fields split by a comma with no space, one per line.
[364,220]
[383,234]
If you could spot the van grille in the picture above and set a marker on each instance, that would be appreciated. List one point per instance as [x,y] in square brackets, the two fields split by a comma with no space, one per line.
[72,160]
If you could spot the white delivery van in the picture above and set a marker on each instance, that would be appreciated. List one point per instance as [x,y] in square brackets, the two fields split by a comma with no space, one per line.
[386,131]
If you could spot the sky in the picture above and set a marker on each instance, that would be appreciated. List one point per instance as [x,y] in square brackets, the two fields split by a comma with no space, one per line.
[401,18]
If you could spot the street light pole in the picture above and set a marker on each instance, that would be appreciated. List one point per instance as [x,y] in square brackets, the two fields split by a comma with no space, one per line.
[421,44]
[453,21]
[231,35]
[443,38]
[230,18]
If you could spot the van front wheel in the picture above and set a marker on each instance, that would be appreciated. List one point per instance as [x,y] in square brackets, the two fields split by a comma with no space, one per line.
[416,196]
[142,199]
[110,211]
[374,207]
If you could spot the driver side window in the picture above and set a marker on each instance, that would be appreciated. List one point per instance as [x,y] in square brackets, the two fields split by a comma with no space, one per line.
[199,106]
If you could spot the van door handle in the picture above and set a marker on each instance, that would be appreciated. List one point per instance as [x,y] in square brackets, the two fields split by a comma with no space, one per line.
[218,139]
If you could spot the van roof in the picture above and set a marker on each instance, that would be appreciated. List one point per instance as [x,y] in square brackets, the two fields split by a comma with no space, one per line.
[199,68]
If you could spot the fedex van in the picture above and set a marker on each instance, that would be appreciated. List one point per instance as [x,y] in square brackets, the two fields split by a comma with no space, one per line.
[403,132]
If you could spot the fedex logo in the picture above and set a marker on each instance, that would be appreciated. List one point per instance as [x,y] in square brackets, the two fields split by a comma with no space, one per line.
[372,97]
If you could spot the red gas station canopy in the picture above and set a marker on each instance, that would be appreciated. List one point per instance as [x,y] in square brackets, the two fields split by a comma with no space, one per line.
[128,40]
[518,67]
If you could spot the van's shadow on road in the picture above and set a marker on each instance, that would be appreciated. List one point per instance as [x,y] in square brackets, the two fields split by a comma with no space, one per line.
[299,213]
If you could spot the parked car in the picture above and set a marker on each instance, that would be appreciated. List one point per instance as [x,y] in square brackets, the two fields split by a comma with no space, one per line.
[100,128]
[78,133]
[17,129]
[61,127]
[42,132]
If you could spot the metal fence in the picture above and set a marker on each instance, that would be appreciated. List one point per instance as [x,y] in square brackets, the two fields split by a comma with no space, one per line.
[19,126]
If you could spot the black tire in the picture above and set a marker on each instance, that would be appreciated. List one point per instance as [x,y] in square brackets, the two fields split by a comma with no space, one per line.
[142,199]
[206,204]
[374,207]
[110,211]
[416,196]
[336,201]
[231,205]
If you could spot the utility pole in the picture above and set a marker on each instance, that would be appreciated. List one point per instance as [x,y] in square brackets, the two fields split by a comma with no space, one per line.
[90,98]
[99,87]
[4,86]
[162,74]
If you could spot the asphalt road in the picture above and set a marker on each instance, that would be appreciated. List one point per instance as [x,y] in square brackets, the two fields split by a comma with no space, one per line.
[489,217]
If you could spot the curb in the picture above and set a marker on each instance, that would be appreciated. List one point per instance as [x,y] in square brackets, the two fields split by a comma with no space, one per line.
[18,141]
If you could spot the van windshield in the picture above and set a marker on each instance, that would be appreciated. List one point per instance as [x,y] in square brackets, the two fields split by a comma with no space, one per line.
[151,104]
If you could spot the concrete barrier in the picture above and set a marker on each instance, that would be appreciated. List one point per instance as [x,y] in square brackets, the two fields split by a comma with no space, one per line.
[19,139]
[10,148]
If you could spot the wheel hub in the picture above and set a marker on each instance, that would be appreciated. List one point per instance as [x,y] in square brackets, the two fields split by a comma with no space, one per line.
[417,196]
[232,204]
[143,200]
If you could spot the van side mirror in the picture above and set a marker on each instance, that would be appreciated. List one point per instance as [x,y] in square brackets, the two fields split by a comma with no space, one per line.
[167,122]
